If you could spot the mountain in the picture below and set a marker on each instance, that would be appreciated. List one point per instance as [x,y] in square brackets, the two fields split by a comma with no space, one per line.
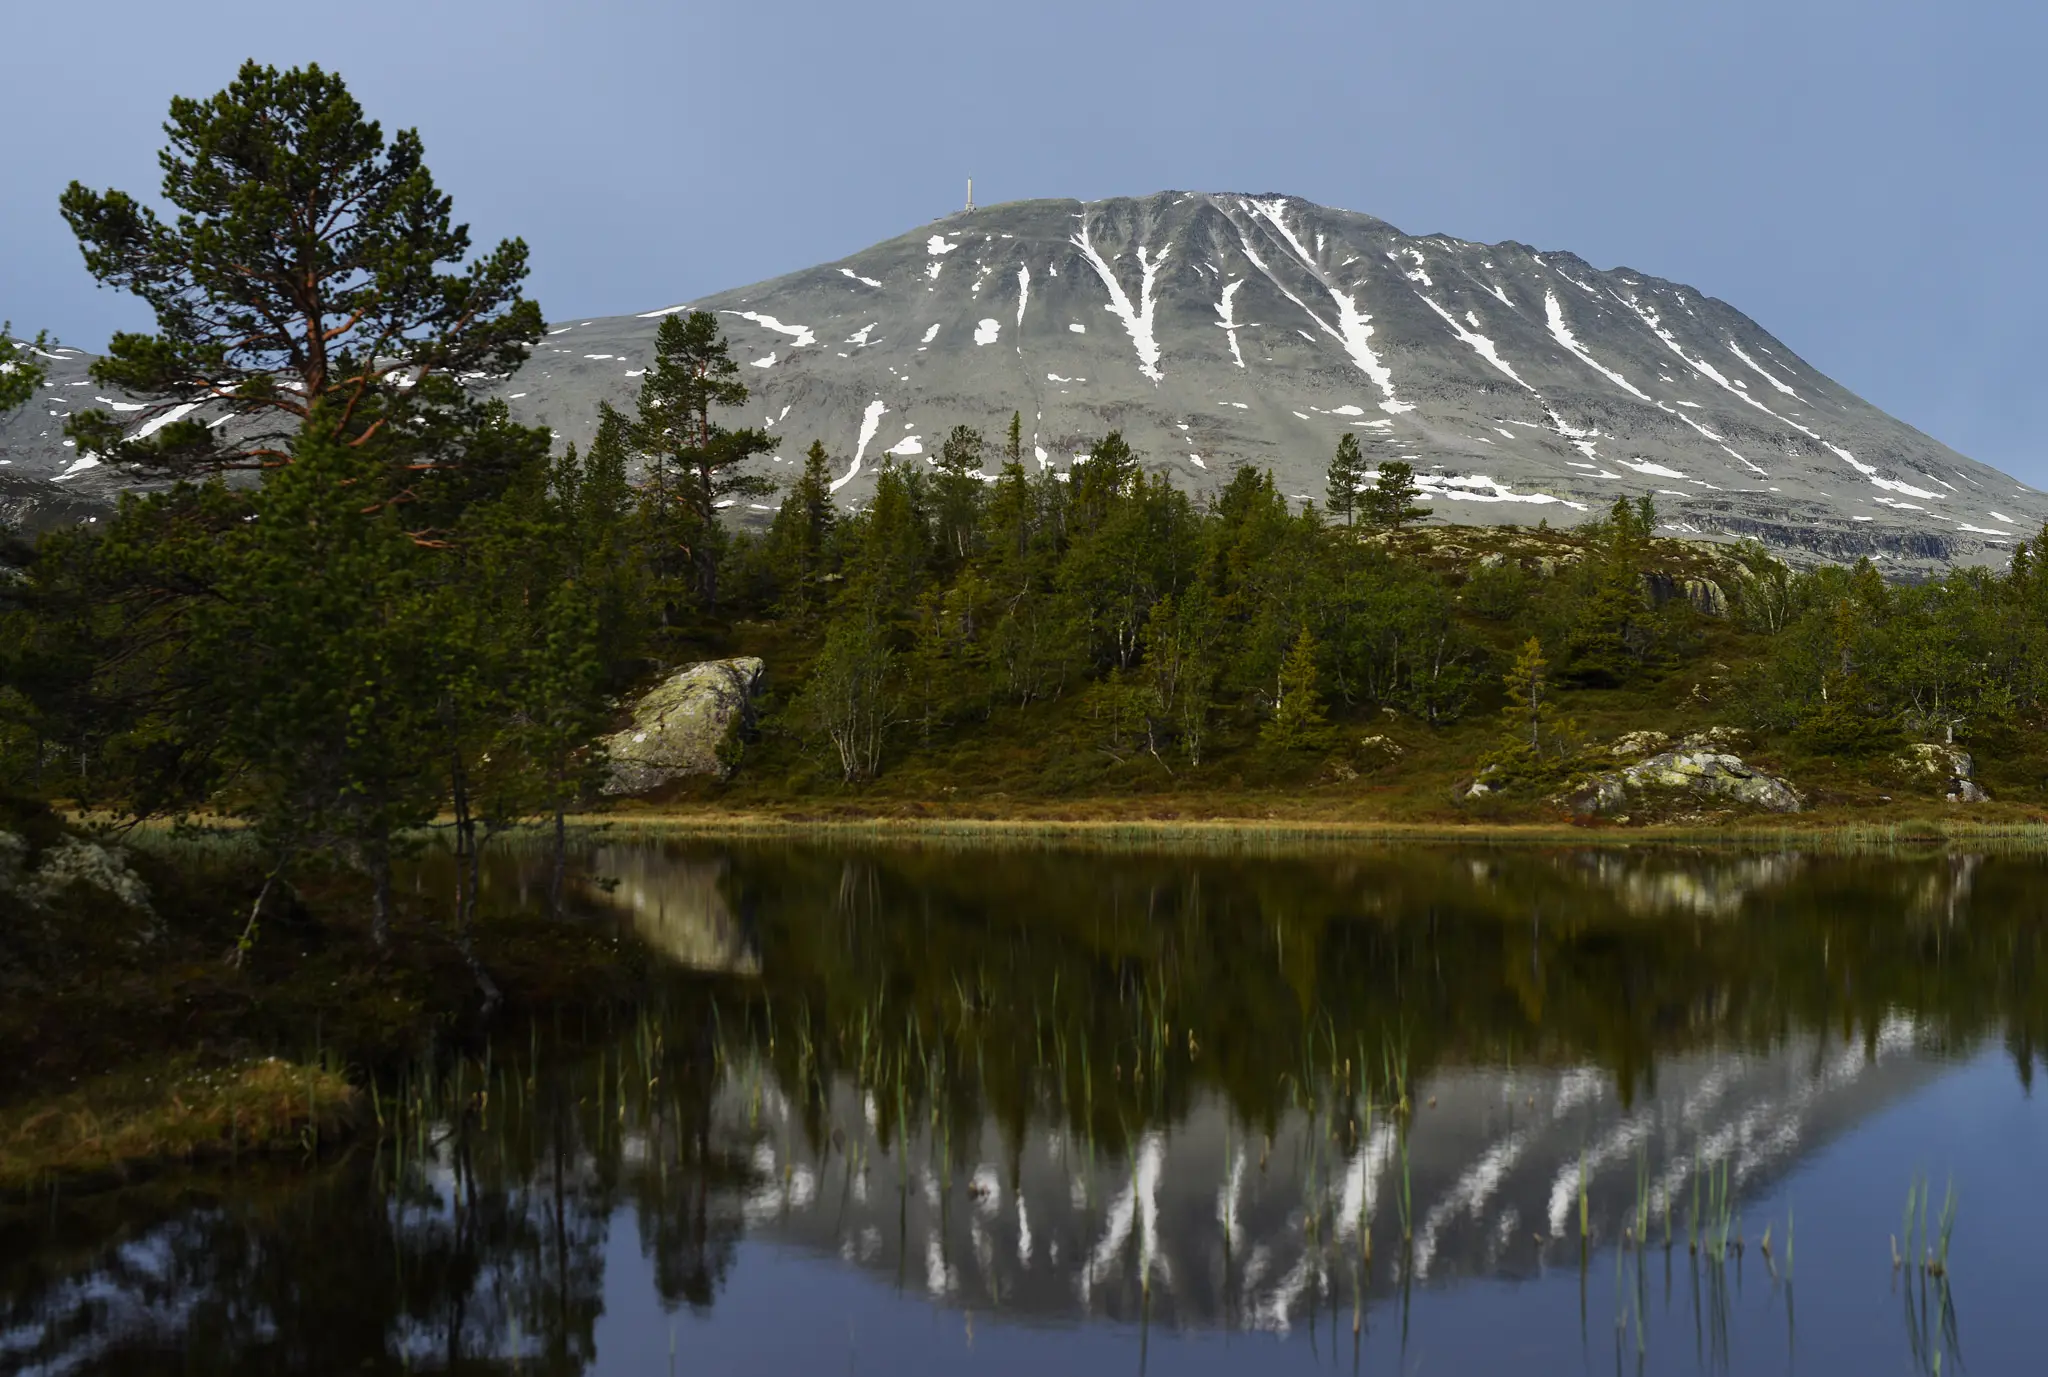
[1222,329]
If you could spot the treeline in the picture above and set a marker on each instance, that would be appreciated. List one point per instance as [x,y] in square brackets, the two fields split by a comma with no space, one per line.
[953,593]
[368,600]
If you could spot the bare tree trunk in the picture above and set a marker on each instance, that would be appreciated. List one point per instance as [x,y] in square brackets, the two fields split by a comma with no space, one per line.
[561,864]
[247,940]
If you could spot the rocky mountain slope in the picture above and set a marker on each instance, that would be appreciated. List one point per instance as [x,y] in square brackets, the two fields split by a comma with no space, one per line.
[1222,329]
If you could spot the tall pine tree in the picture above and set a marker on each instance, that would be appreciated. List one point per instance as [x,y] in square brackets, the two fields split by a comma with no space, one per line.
[302,275]
[696,466]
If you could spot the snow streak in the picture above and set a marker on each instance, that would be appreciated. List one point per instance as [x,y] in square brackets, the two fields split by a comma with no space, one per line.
[1137,320]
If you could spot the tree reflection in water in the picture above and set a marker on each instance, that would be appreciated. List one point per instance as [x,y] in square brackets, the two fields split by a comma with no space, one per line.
[1070,1084]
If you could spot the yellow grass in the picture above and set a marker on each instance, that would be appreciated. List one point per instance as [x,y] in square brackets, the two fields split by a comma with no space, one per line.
[128,1124]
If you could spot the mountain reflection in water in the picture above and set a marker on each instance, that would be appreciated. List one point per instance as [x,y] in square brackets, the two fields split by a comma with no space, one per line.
[1205,1091]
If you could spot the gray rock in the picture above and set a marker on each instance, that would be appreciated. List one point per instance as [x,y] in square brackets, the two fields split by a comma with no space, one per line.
[1704,777]
[686,726]
[1484,785]
[1636,745]
[75,861]
[1949,764]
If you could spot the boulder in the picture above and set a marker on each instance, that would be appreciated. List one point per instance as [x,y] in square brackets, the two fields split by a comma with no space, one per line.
[1706,595]
[1949,765]
[688,725]
[1700,776]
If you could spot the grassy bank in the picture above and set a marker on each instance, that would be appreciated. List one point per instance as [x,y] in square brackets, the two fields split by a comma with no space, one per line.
[115,1128]
[1102,822]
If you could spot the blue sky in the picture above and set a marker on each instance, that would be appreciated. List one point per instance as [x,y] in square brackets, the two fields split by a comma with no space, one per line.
[1863,177]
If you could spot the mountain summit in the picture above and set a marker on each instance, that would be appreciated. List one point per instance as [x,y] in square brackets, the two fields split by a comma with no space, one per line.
[1222,329]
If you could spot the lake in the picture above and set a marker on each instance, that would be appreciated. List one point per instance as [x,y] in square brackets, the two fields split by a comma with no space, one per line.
[937,1108]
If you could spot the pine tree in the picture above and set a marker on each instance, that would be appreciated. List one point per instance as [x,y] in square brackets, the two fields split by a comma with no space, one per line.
[696,465]
[1298,722]
[1389,503]
[301,276]
[1013,450]
[20,374]
[1346,478]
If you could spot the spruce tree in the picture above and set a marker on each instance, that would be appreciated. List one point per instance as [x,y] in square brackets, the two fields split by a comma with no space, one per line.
[1298,722]
[696,466]
[1346,478]
[1013,450]
[1389,503]
[959,482]
[1535,747]
[302,275]
[800,537]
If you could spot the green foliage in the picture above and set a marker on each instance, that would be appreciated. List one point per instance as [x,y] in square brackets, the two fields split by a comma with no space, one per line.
[1537,744]
[301,276]
[1858,664]
[1389,503]
[1617,630]
[695,464]
[850,699]
[1298,722]
[413,607]
[957,499]
[1499,592]
[799,546]
[1346,478]
[20,373]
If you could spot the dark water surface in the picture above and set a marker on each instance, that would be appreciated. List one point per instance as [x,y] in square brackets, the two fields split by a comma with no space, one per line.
[901,1110]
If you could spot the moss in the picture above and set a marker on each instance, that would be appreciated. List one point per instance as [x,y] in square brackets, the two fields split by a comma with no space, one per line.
[117,1127]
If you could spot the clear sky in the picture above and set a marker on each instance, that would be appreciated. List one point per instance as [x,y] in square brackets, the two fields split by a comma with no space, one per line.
[1863,177]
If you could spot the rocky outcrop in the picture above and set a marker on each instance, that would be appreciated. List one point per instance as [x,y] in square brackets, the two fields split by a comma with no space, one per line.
[49,884]
[688,725]
[1949,766]
[1681,778]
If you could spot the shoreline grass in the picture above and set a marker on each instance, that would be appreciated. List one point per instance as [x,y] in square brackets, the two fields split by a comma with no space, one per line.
[2020,832]
[118,1128]
[1848,835]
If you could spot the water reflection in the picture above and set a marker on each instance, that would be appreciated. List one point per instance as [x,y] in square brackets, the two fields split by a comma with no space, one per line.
[1206,1092]
[678,906]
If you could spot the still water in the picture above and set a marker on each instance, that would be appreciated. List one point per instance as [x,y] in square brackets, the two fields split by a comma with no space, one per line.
[937,1109]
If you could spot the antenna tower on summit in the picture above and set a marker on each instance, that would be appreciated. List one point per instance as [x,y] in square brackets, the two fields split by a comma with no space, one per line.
[970,193]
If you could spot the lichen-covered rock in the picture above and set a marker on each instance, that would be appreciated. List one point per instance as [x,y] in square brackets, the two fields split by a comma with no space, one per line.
[1726,740]
[1950,765]
[1636,745]
[75,861]
[1702,777]
[687,725]
[1707,596]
